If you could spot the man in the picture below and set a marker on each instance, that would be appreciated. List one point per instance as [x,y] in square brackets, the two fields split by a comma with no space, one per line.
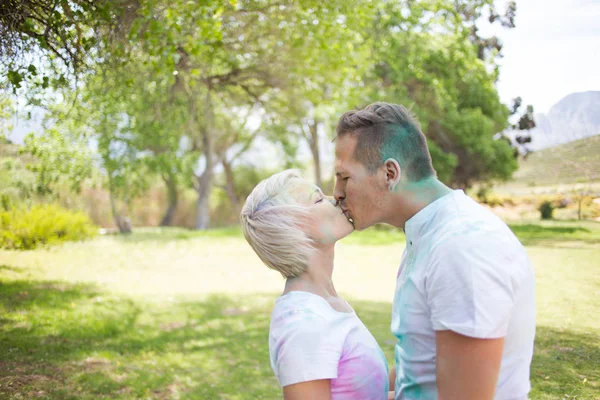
[464,306]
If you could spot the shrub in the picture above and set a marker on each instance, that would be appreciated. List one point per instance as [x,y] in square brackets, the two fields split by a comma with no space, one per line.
[25,229]
[486,196]
[494,200]
[563,202]
[5,202]
[546,209]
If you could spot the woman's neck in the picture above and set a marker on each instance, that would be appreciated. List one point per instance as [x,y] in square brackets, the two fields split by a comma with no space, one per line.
[317,278]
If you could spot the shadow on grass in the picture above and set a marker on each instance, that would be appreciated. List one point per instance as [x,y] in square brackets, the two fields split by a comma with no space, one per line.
[164,234]
[529,234]
[76,342]
[378,235]
[26,294]
[553,236]
[565,364]
[11,269]
[67,341]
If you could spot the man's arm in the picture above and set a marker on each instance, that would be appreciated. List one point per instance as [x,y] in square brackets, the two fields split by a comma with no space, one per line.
[467,368]
[314,390]
[392,383]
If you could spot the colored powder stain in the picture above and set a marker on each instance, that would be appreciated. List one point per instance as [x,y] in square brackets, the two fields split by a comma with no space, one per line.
[403,144]
[416,392]
[405,378]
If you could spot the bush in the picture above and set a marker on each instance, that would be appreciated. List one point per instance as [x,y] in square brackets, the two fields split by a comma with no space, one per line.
[25,229]
[546,209]
[563,202]
[486,196]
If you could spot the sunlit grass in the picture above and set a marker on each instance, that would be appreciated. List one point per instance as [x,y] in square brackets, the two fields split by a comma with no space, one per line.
[177,314]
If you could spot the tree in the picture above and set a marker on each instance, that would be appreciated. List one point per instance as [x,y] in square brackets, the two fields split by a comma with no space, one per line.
[17,182]
[471,12]
[458,106]
[582,190]
[525,123]
[6,111]
[157,125]
[237,138]
[99,117]
[224,53]
[59,159]
[189,41]
[46,42]
[172,99]
[323,70]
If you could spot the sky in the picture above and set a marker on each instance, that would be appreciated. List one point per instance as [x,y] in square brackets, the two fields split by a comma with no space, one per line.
[553,51]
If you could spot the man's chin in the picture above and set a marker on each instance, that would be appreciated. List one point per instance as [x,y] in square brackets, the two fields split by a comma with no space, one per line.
[361,227]
[356,227]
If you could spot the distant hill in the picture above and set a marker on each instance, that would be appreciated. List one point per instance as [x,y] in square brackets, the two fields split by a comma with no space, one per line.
[567,164]
[576,116]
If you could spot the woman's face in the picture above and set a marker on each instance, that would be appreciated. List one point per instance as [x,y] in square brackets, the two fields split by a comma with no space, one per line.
[326,223]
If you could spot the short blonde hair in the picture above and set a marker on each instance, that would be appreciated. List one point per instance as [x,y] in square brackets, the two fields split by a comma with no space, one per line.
[271,222]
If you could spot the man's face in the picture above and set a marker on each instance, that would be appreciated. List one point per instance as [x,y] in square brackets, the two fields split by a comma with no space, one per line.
[361,195]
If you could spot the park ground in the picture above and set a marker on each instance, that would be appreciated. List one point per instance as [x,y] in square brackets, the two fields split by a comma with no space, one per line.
[177,314]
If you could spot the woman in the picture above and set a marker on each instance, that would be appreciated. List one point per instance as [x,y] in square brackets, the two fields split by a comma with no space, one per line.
[319,348]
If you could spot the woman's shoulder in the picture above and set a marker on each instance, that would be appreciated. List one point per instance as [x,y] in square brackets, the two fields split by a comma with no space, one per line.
[298,304]
[297,307]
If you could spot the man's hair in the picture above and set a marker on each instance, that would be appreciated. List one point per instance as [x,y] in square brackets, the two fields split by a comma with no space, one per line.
[385,131]
[272,224]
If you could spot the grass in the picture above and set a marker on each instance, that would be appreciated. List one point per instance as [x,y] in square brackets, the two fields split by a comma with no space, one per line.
[174,314]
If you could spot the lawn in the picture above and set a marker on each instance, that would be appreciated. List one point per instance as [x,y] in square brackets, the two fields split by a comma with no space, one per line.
[176,314]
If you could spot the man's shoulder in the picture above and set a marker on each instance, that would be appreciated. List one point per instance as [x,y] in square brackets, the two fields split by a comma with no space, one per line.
[465,220]
[467,210]
[471,235]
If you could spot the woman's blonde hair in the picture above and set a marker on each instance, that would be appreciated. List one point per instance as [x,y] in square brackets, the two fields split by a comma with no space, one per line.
[271,221]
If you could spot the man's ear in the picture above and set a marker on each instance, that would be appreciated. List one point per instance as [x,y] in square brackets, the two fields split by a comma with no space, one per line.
[393,173]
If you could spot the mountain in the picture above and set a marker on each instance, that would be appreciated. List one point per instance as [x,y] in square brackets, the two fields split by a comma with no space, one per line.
[576,116]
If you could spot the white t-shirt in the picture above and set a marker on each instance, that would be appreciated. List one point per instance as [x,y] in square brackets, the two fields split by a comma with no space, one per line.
[309,340]
[462,270]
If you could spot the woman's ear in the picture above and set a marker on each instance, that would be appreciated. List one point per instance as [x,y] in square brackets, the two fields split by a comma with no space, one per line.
[393,173]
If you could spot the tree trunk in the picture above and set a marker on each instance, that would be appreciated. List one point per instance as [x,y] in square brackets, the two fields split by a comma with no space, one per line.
[203,203]
[167,219]
[123,223]
[314,148]
[230,186]
[205,180]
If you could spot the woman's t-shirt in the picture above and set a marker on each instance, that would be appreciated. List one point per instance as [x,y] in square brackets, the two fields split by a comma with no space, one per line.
[309,340]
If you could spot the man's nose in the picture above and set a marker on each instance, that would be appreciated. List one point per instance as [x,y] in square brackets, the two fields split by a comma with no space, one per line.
[338,193]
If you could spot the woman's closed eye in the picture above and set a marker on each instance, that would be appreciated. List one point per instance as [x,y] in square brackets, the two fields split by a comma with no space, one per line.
[320,200]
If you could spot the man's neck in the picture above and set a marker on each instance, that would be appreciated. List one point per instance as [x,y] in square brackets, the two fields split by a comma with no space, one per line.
[412,197]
